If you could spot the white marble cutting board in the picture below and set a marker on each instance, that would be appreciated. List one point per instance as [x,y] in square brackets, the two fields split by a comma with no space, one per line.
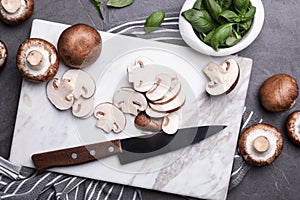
[202,170]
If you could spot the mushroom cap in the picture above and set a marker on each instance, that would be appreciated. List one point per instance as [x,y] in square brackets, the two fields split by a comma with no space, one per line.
[248,139]
[79,45]
[144,122]
[3,54]
[279,92]
[170,123]
[23,13]
[47,69]
[161,87]
[82,107]
[293,126]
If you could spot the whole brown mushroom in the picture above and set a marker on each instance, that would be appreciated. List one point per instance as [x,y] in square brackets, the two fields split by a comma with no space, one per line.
[79,45]
[37,60]
[15,11]
[3,54]
[293,126]
[260,144]
[279,92]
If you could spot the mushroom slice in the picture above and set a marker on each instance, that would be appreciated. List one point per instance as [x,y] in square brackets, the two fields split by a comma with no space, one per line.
[172,93]
[154,114]
[160,88]
[143,78]
[109,118]
[37,60]
[83,107]
[223,77]
[170,106]
[279,92]
[130,101]
[293,126]
[144,122]
[60,94]
[3,54]
[170,123]
[15,11]
[260,144]
[83,84]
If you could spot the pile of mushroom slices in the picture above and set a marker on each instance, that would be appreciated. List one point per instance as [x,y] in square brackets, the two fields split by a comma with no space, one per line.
[153,100]
[75,90]
[223,78]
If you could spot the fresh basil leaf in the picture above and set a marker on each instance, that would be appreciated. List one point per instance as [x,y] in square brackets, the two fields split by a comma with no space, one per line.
[98,5]
[225,4]
[233,39]
[230,16]
[249,14]
[198,5]
[213,8]
[119,3]
[200,20]
[153,21]
[220,35]
[208,37]
[241,5]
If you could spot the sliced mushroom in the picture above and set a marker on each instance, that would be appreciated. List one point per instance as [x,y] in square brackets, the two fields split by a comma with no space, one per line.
[172,93]
[160,88]
[154,114]
[144,122]
[293,126]
[60,94]
[37,60]
[83,84]
[79,45]
[223,78]
[130,101]
[170,106]
[279,92]
[3,54]
[170,123]
[109,118]
[83,107]
[15,11]
[260,144]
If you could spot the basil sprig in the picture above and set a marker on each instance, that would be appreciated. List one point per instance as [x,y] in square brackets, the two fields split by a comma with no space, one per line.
[119,3]
[220,23]
[154,21]
[98,5]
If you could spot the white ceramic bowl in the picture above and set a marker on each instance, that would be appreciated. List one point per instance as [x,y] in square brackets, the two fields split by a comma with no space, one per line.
[193,41]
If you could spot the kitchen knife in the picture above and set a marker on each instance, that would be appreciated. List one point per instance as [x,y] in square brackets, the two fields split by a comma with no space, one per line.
[128,150]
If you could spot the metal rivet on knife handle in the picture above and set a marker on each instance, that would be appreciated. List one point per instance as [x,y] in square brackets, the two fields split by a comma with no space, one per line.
[76,155]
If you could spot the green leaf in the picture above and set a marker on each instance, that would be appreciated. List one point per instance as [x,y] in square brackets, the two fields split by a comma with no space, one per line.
[198,5]
[244,27]
[208,37]
[154,21]
[230,16]
[98,5]
[241,5]
[249,14]
[200,20]
[225,4]
[233,39]
[213,8]
[220,35]
[119,3]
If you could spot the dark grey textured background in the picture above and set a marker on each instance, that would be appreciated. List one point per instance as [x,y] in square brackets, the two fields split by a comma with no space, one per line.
[276,50]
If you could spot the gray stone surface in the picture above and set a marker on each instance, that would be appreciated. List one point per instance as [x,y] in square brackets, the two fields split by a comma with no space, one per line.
[276,50]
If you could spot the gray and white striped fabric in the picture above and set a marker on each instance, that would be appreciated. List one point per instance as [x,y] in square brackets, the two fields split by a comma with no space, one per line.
[50,185]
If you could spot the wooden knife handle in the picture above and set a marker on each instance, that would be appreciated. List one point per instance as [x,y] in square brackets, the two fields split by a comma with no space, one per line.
[76,155]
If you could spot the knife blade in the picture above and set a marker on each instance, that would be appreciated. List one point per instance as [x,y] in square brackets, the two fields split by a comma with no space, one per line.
[128,150]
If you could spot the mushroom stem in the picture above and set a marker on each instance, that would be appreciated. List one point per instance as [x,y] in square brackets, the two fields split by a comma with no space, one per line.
[34,58]
[11,6]
[261,144]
